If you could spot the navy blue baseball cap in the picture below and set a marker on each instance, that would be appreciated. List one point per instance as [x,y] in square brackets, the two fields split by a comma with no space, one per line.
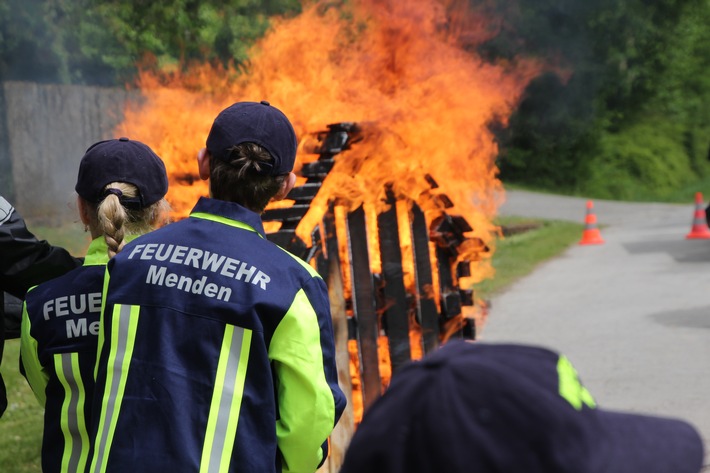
[502,408]
[122,160]
[255,122]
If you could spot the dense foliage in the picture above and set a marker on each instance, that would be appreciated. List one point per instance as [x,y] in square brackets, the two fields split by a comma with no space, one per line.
[622,109]
[101,42]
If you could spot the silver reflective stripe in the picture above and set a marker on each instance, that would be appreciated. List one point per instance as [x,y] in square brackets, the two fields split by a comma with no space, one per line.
[70,411]
[114,378]
[226,401]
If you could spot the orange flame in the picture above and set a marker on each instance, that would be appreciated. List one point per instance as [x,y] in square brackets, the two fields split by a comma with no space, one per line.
[404,70]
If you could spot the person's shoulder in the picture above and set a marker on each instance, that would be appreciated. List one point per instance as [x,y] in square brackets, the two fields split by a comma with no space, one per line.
[76,279]
[294,261]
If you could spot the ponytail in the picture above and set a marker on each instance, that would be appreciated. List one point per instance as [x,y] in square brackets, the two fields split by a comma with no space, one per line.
[242,179]
[112,216]
[114,221]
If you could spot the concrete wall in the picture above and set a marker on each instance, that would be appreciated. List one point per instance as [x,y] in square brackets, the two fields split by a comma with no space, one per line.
[44,131]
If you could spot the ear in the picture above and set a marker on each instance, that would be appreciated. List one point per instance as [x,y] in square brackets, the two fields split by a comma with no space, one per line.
[286,187]
[203,163]
[84,212]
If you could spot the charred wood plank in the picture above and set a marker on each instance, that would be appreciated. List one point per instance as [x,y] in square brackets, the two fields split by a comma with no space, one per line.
[463,269]
[316,247]
[306,191]
[317,169]
[450,298]
[287,214]
[363,295]
[448,231]
[427,313]
[330,245]
[396,313]
[335,141]
[343,431]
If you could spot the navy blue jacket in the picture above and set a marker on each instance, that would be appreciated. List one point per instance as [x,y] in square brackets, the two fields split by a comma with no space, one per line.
[60,325]
[216,352]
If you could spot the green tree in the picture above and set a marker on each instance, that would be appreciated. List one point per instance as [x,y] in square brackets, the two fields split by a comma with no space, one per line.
[618,64]
[101,42]
[659,141]
[683,94]
[26,43]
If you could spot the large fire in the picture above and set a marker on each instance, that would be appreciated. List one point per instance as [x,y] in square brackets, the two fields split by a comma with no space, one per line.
[405,67]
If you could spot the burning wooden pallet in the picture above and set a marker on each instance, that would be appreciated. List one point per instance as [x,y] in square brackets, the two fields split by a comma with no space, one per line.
[415,312]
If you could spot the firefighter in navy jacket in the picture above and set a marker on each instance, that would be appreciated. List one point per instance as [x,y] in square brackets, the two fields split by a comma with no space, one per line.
[216,346]
[121,185]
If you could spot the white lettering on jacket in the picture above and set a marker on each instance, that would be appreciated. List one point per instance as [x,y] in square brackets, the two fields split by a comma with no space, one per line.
[74,304]
[81,328]
[159,276]
[198,259]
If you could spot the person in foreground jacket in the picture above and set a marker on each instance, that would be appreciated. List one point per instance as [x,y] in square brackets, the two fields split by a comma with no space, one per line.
[491,408]
[25,261]
[121,187]
[216,345]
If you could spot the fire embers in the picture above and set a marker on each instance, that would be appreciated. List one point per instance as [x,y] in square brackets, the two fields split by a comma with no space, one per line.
[398,262]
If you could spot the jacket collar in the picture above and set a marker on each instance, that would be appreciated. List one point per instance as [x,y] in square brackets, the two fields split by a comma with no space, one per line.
[97,253]
[231,211]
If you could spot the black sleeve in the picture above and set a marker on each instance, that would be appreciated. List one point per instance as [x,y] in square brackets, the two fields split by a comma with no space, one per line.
[26,261]
[13,316]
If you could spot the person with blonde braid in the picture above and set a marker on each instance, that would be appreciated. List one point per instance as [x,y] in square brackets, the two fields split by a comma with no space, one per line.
[121,188]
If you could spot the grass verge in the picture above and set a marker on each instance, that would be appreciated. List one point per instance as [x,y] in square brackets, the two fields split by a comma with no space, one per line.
[519,253]
[21,425]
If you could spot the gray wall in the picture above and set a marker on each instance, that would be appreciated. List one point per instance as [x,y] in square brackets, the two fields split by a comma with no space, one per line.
[44,131]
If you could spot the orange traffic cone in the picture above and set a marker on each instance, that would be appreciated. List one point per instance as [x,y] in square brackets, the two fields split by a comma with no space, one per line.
[700,225]
[591,235]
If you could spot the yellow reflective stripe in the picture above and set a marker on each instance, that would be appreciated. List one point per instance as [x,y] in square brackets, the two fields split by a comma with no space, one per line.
[72,421]
[570,387]
[226,221]
[226,400]
[123,335]
[35,373]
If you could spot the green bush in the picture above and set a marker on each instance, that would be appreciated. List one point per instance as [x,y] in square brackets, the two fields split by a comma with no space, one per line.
[647,161]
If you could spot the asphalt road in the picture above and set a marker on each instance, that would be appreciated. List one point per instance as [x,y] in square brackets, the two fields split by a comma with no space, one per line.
[632,314]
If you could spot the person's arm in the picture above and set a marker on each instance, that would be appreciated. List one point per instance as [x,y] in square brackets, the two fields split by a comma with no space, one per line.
[36,375]
[13,316]
[26,261]
[309,398]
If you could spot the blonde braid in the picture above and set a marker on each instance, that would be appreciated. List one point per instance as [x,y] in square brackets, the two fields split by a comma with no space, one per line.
[112,217]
